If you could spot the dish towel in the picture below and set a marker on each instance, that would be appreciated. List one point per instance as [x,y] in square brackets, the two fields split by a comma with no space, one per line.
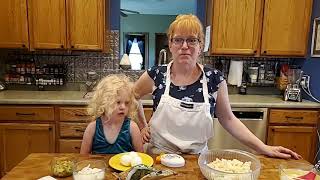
[235,73]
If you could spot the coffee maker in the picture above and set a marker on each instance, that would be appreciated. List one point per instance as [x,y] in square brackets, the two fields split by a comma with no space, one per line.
[293,89]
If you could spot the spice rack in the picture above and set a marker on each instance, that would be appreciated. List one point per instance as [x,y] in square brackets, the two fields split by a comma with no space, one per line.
[28,72]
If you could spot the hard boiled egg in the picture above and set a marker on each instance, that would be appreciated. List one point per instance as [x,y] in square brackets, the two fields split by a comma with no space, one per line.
[125,160]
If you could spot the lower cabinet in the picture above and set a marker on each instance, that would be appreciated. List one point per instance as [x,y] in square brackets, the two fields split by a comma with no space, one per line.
[18,140]
[70,145]
[295,129]
[297,138]
[148,111]
[73,121]
[25,129]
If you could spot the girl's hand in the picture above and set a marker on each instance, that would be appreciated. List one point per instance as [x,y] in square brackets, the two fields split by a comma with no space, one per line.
[145,133]
[280,152]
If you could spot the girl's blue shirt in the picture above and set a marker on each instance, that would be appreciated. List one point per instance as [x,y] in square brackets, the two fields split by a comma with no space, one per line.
[123,143]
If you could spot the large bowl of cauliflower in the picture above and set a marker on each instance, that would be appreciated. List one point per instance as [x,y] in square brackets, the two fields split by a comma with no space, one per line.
[229,164]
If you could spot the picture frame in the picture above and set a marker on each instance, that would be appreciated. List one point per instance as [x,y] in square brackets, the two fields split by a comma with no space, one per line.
[315,44]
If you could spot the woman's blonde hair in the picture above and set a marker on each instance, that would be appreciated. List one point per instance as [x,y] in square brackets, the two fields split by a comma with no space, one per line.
[189,23]
[106,93]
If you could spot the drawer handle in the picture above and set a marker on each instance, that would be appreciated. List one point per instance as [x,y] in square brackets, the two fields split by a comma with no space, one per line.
[25,114]
[79,130]
[77,148]
[81,115]
[294,118]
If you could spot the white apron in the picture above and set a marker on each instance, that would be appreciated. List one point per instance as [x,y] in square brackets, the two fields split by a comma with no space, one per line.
[178,126]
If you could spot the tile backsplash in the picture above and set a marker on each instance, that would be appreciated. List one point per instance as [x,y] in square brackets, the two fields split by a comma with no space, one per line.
[80,62]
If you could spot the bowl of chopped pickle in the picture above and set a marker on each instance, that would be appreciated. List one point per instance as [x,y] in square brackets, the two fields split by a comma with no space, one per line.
[62,166]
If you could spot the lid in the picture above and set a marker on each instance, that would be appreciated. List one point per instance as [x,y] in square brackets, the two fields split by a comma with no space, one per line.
[172,160]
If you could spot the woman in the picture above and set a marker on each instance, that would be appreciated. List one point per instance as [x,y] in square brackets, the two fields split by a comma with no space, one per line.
[185,96]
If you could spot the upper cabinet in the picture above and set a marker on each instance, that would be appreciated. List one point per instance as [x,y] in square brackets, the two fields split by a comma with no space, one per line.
[286,27]
[235,26]
[47,22]
[14,24]
[260,27]
[58,24]
[86,24]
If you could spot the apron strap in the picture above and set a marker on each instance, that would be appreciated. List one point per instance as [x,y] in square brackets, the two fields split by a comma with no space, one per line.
[203,81]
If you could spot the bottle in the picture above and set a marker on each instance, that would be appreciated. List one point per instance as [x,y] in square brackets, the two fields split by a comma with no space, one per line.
[262,72]
[243,88]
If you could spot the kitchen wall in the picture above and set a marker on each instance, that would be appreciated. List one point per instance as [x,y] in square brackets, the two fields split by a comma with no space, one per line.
[312,65]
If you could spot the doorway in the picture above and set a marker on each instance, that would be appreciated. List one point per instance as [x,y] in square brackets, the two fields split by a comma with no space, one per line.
[161,42]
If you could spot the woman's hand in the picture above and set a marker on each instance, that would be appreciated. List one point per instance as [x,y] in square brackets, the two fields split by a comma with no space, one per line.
[280,152]
[145,133]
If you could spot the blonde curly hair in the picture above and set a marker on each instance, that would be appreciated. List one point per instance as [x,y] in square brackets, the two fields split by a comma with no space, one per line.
[189,23]
[106,93]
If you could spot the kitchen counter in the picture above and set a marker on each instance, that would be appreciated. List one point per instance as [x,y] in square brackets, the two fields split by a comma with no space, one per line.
[37,165]
[76,98]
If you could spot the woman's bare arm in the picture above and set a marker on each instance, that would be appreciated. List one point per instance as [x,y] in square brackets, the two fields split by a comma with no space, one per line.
[237,129]
[143,86]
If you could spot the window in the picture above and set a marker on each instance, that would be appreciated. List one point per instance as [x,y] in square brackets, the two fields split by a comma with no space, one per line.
[136,47]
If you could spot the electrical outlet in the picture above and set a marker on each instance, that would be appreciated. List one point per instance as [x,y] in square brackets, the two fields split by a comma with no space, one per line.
[305,81]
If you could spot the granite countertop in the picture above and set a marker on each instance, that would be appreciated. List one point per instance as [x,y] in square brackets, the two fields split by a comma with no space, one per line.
[76,98]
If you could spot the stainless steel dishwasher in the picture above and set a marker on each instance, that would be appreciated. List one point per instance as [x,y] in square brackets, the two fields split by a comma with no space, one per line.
[254,118]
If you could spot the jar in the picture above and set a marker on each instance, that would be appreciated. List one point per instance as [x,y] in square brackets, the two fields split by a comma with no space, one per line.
[253,73]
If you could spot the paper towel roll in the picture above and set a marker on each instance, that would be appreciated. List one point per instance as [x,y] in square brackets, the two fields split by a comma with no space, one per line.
[235,73]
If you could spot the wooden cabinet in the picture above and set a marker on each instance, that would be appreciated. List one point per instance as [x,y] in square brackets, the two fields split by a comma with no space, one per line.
[72,124]
[236,26]
[257,27]
[286,27]
[148,111]
[59,24]
[24,130]
[86,24]
[294,129]
[14,24]
[47,24]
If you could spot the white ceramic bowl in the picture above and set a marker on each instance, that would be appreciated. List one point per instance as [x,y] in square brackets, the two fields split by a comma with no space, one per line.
[89,170]
[229,154]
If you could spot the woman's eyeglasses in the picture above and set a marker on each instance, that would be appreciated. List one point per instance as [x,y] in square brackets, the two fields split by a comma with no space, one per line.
[191,42]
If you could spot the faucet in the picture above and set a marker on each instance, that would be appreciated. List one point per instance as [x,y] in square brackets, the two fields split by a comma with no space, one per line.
[92,80]
[162,56]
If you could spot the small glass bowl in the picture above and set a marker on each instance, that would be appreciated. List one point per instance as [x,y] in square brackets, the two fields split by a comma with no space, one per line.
[62,166]
[293,170]
[89,169]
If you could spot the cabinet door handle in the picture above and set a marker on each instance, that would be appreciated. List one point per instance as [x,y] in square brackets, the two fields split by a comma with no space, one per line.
[255,51]
[72,46]
[80,115]
[62,46]
[25,114]
[264,52]
[293,118]
[77,148]
[79,130]
[23,45]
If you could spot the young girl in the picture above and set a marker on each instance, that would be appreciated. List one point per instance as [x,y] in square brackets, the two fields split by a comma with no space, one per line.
[112,131]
